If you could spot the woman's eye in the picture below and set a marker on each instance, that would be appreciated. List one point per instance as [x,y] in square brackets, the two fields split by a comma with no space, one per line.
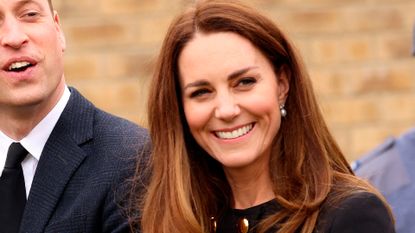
[246,81]
[199,93]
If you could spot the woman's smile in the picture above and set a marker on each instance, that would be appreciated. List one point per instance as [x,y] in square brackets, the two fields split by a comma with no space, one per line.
[236,133]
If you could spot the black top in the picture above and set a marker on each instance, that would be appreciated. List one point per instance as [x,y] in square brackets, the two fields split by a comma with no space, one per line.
[360,213]
[231,220]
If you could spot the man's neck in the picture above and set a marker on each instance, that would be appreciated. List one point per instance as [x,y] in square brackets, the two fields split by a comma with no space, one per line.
[17,124]
[18,121]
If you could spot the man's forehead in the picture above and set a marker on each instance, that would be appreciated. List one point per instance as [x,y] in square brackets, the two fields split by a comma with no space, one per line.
[13,4]
[23,2]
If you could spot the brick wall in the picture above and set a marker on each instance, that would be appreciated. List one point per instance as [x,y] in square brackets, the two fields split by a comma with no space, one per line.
[358,53]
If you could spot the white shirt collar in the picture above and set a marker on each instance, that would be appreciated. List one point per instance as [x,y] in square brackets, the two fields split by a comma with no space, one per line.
[5,142]
[35,141]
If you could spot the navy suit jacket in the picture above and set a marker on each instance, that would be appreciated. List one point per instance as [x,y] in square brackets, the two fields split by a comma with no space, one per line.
[83,167]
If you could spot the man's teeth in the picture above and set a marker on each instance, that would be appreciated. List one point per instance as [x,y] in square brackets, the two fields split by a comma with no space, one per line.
[18,65]
[236,133]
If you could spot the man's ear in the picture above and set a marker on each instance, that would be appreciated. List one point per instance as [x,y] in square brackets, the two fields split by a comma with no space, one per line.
[59,30]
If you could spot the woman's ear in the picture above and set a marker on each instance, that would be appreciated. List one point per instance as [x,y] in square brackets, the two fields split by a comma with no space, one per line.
[283,82]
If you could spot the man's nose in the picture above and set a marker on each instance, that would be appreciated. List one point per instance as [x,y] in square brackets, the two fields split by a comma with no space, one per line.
[227,107]
[12,34]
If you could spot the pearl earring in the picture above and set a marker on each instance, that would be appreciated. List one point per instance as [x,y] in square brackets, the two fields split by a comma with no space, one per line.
[283,111]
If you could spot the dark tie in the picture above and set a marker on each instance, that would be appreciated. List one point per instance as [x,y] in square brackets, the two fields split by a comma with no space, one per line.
[12,190]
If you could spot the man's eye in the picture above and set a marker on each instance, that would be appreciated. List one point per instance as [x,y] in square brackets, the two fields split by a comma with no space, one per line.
[30,14]
[199,93]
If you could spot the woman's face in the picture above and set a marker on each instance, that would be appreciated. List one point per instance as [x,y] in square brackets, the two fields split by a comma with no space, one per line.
[231,97]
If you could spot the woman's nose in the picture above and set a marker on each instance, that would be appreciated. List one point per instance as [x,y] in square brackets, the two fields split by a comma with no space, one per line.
[227,108]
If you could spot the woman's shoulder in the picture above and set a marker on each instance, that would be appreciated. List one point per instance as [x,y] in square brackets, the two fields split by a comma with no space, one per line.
[359,212]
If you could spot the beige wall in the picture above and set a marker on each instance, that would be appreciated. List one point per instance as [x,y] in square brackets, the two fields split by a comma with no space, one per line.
[358,53]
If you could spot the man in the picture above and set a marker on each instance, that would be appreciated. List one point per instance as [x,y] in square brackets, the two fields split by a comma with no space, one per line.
[76,157]
[390,168]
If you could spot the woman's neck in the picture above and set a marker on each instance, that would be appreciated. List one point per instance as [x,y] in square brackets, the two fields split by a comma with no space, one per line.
[250,186]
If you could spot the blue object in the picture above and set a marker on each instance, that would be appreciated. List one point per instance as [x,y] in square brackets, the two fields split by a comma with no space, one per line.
[391,168]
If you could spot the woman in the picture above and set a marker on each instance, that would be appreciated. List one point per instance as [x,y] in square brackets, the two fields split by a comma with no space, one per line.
[239,143]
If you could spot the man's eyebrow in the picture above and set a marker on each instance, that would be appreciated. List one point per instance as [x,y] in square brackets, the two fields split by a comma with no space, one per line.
[21,3]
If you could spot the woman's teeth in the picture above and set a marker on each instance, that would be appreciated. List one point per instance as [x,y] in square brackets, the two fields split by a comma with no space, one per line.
[235,133]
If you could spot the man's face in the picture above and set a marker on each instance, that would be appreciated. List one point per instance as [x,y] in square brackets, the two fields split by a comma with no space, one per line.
[31,55]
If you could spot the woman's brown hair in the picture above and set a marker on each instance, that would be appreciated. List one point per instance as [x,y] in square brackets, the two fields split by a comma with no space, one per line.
[187,186]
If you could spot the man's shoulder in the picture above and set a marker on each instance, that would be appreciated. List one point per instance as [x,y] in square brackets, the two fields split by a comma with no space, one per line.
[116,135]
[377,155]
[111,123]
[103,122]
[108,132]
[384,153]
[385,166]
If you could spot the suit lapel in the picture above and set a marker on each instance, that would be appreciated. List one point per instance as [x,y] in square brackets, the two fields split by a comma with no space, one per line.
[60,158]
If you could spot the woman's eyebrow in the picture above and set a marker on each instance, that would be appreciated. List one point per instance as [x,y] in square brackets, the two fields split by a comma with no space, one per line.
[240,72]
